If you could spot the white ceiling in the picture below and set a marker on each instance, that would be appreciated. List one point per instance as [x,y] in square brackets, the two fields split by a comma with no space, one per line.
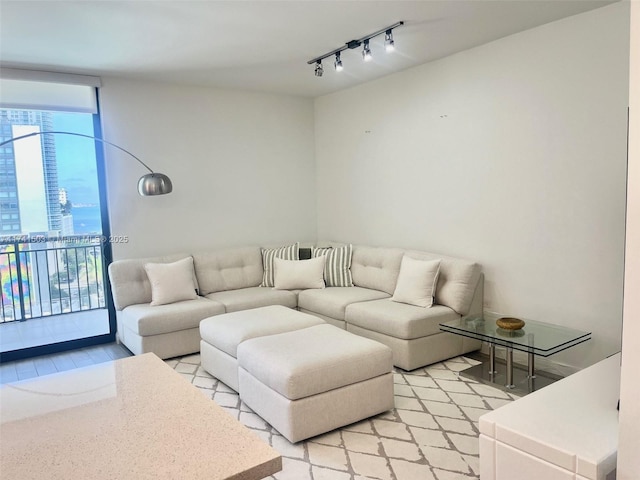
[254,45]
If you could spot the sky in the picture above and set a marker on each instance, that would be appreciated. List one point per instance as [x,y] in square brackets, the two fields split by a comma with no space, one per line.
[77,172]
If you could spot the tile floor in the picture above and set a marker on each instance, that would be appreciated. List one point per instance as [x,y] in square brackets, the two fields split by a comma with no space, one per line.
[58,328]
[432,434]
[59,362]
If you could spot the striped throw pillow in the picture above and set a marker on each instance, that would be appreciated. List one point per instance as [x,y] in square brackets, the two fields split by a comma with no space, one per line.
[290,252]
[337,267]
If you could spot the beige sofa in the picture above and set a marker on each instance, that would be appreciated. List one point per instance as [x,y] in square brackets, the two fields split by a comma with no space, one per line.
[412,332]
[229,280]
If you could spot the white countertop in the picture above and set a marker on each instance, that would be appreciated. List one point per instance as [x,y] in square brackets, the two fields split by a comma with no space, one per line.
[132,418]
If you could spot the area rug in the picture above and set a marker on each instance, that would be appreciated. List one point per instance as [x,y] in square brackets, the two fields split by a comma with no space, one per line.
[432,434]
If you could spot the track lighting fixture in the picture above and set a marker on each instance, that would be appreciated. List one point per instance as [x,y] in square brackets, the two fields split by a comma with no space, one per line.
[338,63]
[389,45]
[366,52]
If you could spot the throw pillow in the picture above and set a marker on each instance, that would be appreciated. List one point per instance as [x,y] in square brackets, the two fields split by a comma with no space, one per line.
[417,282]
[337,270]
[290,252]
[171,282]
[298,274]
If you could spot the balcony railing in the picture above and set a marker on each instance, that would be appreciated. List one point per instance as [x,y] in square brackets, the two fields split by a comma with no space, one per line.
[42,276]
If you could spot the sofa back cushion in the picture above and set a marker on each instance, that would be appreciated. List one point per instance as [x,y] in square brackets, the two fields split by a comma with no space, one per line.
[457,280]
[228,269]
[376,267]
[129,281]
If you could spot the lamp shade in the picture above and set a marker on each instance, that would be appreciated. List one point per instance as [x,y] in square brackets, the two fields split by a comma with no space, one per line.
[154,184]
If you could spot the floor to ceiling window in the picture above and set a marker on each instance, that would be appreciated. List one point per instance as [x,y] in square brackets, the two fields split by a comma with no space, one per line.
[53,254]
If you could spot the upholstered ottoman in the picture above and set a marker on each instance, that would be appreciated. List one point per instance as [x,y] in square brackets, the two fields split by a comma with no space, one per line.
[310,381]
[221,334]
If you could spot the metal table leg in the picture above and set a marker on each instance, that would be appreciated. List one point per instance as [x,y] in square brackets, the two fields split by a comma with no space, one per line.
[531,366]
[492,359]
[510,368]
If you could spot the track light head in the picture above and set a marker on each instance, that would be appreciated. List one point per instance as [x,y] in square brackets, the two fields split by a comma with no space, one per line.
[319,69]
[338,63]
[366,52]
[389,44]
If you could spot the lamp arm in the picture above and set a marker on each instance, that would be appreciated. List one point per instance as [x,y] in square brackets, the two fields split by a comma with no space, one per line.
[77,135]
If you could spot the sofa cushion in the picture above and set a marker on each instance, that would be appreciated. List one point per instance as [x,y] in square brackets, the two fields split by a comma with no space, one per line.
[313,360]
[146,320]
[298,274]
[129,281]
[376,268]
[332,301]
[399,319]
[171,282]
[457,280]
[416,282]
[337,270]
[254,297]
[226,332]
[290,252]
[228,269]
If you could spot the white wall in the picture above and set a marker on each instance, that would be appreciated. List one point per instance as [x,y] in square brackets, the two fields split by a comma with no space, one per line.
[512,153]
[629,440]
[242,166]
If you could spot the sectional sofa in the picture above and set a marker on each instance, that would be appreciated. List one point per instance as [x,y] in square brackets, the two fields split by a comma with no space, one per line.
[229,280]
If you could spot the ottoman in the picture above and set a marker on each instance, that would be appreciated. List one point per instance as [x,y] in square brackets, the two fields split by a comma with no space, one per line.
[221,334]
[310,381]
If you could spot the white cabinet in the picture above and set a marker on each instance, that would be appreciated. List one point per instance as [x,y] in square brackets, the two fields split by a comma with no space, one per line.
[513,463]
[566,431]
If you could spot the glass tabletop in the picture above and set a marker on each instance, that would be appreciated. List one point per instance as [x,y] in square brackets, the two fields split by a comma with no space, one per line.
[540,338]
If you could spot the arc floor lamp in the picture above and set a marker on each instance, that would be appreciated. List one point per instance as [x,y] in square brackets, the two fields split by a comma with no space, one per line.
[152,183]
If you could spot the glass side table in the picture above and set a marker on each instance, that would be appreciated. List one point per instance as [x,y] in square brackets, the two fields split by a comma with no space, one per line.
[535,338]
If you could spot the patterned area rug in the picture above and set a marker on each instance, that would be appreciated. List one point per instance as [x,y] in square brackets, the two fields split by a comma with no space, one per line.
[432,434]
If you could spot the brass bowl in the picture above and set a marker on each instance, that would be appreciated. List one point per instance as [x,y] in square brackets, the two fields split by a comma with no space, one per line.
[509,323]
[509,333]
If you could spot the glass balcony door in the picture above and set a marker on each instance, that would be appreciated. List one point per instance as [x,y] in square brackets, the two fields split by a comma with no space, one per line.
[53,255]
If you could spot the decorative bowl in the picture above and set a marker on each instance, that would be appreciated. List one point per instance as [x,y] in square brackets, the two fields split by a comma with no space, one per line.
[509,323]
[502,332]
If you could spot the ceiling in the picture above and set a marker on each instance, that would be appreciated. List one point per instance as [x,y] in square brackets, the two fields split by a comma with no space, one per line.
[255,45]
